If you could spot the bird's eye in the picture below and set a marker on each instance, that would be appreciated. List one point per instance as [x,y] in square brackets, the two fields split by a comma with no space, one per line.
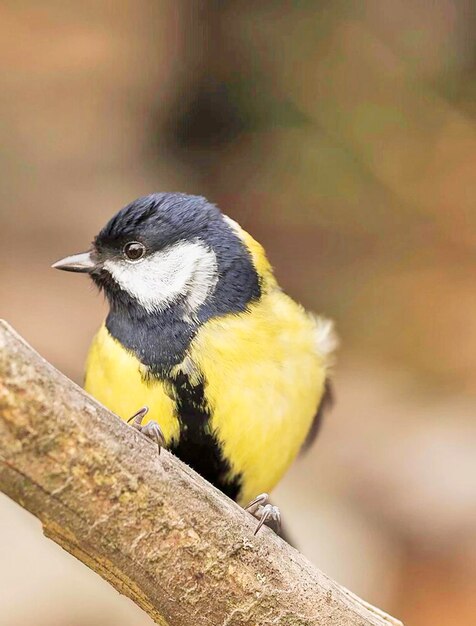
[134,250]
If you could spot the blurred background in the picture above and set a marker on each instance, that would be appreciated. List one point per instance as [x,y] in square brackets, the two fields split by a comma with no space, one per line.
[342,135]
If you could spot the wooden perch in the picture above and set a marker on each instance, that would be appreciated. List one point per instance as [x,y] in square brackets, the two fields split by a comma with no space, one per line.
[148,524]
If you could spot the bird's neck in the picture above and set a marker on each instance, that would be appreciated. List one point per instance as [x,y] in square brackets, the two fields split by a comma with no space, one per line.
[159,340]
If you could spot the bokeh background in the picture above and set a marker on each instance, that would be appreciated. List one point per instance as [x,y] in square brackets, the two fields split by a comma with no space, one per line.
[343,136]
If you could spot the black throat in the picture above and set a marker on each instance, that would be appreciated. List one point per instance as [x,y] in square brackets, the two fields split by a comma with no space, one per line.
[159,340]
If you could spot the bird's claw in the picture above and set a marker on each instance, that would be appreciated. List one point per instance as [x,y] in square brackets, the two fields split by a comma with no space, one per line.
[264,512]
[151,430]
[137,418]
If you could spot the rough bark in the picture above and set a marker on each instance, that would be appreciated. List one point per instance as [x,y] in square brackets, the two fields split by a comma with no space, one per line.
[148,524]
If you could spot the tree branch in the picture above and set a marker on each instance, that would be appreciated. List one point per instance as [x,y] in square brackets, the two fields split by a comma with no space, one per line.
[148,524]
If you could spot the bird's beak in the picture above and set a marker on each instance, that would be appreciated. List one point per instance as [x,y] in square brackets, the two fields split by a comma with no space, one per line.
[82,262]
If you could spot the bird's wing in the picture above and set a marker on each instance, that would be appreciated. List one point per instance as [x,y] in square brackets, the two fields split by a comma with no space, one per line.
[326,343]
[326,403]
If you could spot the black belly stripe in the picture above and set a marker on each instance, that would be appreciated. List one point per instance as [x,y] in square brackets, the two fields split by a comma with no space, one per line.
[197,446]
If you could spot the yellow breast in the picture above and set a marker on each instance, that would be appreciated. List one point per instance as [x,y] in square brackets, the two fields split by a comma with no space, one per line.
[264,380]
[116,378]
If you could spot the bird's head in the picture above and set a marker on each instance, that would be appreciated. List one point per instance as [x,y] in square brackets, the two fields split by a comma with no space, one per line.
[170,250]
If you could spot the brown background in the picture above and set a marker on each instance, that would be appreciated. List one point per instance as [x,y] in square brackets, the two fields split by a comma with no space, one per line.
[342,135]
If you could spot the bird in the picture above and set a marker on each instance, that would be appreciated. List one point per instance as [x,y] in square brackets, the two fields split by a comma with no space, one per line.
[201,349]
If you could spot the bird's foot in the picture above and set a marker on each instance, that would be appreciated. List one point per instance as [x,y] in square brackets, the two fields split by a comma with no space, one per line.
[151,430]
[265,513]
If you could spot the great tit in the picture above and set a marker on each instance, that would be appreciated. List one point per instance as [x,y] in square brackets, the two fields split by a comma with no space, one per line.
[233,373]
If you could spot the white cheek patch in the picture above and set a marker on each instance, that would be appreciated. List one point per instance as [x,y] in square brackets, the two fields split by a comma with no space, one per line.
[186,270]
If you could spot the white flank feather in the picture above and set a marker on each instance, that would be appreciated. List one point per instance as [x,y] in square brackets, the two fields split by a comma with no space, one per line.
[326,339]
